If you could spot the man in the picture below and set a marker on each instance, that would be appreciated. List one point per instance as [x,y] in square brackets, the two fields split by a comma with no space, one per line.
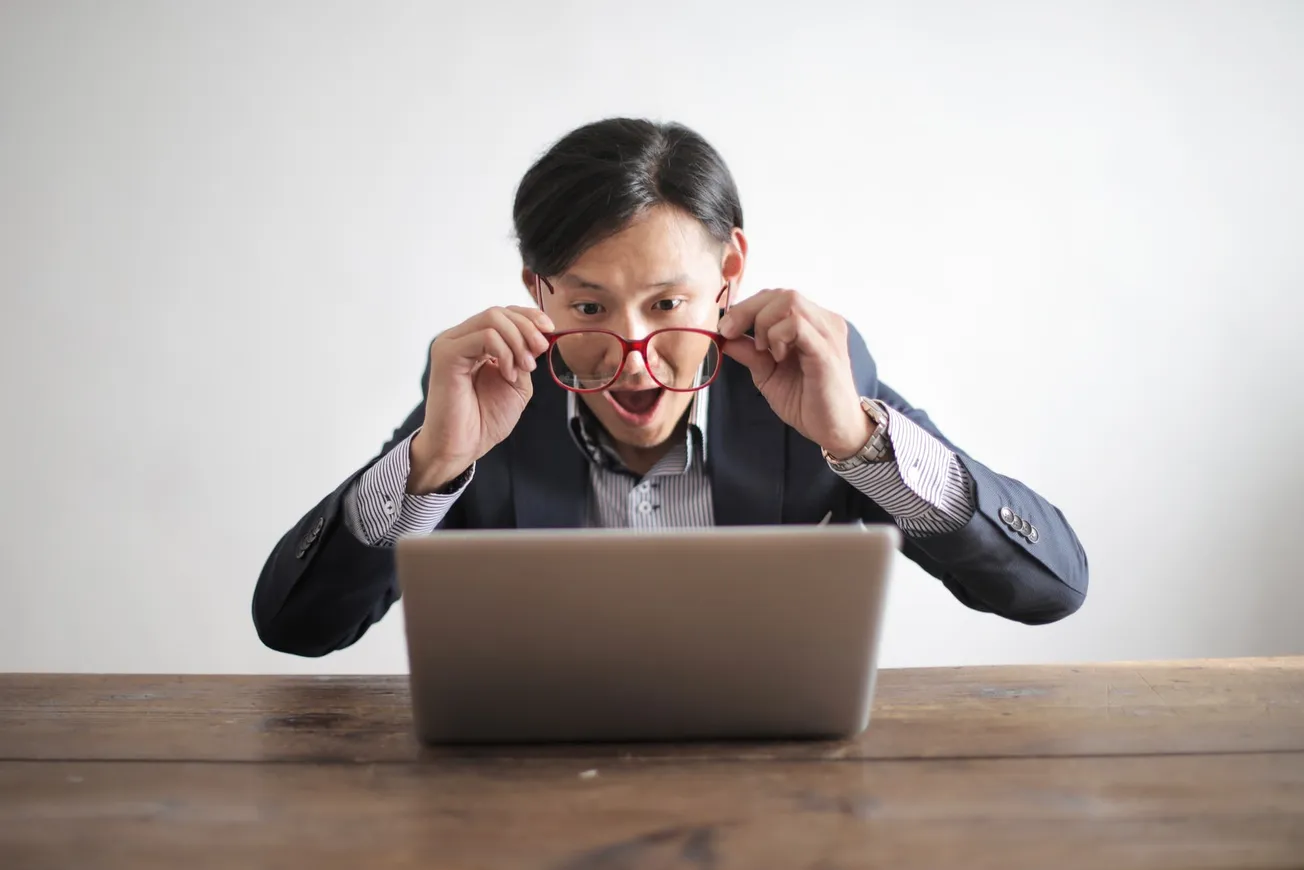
[638,392]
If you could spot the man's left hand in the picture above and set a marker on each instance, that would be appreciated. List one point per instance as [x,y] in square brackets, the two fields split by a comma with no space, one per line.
[799,362]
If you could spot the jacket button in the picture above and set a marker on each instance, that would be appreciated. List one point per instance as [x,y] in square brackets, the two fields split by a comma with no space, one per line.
[314,533]
[1033,536]
[1007,516]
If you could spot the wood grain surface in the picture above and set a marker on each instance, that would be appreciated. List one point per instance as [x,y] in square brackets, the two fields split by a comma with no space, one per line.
[1145,765]
[1145,811]
[1235,705]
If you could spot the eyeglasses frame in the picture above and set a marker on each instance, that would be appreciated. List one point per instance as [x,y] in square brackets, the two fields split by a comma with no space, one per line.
[631,345]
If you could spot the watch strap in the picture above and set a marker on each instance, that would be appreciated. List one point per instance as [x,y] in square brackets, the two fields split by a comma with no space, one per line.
[879,446]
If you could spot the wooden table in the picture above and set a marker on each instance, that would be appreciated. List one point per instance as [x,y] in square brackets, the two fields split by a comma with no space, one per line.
[1184,764]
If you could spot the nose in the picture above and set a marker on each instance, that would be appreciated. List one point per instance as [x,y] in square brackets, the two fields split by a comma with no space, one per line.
[635,369]
[630,324]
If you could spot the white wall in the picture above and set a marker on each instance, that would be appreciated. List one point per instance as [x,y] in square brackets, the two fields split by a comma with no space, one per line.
[1072,232]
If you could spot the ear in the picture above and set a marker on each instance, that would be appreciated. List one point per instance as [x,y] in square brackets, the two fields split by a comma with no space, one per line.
[733,262]
[531,282]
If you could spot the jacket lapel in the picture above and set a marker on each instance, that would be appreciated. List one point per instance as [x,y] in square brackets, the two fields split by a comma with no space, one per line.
[747,447]
[549,474]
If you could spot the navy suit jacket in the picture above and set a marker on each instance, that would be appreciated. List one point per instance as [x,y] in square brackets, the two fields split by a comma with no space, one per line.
[321,588]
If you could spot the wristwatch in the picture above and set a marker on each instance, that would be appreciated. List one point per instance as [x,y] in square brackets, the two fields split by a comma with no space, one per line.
[877,449]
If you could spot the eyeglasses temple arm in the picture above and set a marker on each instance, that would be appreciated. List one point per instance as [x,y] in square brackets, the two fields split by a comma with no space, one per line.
[725,292]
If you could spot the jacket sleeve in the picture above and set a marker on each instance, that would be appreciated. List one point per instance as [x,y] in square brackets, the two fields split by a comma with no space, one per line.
[321,587]
[1016,557]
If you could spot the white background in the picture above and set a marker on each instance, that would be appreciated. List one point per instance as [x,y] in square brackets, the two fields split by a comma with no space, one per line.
[1072,232]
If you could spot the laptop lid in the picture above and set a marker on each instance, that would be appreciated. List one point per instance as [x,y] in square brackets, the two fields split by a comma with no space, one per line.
[607,634]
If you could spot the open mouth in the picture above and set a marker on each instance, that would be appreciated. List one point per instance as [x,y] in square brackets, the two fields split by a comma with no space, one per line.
[636,407]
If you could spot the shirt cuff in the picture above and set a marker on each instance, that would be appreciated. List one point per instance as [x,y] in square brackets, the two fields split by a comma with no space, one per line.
[925,487]
[378,509]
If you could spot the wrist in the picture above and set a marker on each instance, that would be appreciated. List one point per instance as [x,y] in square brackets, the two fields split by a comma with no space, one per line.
[868,445]
[843,450]
[852,435]
[430,472]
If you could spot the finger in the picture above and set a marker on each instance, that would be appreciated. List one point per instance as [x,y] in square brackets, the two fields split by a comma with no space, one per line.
[540,319]
[744,350]
[466,327]
[500,350]
[487,342]
[739,318]
[489,316]
[524,387]
[779,308]
[783,335]
[510,329]
[534,338]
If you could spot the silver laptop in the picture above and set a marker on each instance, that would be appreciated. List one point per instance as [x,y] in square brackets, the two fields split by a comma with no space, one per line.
[615,635]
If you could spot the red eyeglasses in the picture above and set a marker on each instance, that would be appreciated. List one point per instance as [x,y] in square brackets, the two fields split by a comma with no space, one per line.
[590,360]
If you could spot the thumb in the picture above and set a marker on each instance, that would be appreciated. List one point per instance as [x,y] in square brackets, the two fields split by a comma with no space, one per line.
[744,350]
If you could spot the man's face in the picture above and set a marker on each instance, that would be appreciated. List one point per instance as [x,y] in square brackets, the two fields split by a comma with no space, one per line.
[664,270]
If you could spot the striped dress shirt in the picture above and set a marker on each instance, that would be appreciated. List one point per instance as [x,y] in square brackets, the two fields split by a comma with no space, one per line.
[924,486]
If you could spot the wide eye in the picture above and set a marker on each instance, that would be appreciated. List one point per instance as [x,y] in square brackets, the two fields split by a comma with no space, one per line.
[587,309]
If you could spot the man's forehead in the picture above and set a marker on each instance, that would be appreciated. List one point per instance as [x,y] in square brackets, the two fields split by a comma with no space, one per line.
[578,280]
[663,249]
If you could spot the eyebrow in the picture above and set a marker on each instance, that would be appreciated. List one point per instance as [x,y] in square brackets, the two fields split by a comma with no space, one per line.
[582,284]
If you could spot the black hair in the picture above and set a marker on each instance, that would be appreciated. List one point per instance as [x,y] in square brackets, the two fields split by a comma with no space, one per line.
[598,178]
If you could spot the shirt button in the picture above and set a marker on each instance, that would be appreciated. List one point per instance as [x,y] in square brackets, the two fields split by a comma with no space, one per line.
[645,507]
[644,486]
[912,474]
[389,507]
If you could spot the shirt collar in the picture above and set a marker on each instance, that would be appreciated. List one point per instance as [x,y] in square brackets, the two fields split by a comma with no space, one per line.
[595,443]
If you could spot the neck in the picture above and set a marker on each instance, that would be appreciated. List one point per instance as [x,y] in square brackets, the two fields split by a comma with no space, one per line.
[640,460]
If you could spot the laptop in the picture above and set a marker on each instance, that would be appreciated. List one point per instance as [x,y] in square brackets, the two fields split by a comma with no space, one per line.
[596,635]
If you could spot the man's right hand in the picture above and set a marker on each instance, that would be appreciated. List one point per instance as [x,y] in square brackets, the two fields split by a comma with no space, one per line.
[479,385]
